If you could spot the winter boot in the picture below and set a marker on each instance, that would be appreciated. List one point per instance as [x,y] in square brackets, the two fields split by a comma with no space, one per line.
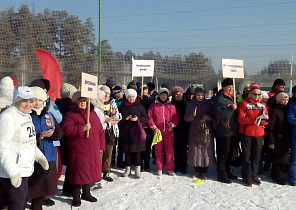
[159,172]
[127,171]
[138,172]
[171,173]
[204,173]
[196,172]
[107,177]
[86,193]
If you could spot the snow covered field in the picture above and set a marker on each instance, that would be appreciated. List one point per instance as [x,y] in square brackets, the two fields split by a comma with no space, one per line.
[179,192]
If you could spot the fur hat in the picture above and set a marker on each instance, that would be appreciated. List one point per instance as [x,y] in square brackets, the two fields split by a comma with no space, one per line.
[227,81]
[110,82]
[278,82]
[151,86]
[6,83]
[76,96]
[132,85]
[130,91]
[177,89]
[22,92]
[67,90]
[43,83]
[106,89]
[199,90]
[190,91]
[39,93]
[281,96]
[163,90]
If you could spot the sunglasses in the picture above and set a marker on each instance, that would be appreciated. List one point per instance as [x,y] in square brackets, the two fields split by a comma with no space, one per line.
[255,94]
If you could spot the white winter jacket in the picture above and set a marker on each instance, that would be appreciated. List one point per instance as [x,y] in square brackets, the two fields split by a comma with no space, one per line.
[18,149]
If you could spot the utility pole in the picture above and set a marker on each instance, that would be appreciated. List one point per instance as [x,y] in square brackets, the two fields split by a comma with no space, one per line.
[291,79]
[100,47]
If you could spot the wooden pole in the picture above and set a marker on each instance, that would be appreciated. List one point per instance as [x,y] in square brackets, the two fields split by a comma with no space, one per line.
[142,87]
[88,113]
[234,95]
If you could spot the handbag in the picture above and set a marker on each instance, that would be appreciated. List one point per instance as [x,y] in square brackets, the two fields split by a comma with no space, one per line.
[202,134]
[138,133]
[109,136]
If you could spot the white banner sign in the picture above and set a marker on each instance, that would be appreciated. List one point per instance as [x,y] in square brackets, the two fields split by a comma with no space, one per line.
[143,68]
[233,68]
[89,84]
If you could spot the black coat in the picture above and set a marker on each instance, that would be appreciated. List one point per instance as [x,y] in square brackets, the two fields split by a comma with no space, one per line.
[225,115]
[182,129]
[124,142]
[278,133]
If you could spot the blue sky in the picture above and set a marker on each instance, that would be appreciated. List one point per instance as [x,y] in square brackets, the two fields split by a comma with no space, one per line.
[256,31]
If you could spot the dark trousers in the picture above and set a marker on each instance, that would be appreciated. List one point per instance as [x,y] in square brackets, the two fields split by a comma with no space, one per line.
[76,189]
[224,148]
[107,157]
[67,187]
[133,158]
[145,155]
[17,197]
[119,152]
[251,152]
[180,152]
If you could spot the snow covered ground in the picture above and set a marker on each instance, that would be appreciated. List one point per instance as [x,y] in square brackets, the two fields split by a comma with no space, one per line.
[179,192]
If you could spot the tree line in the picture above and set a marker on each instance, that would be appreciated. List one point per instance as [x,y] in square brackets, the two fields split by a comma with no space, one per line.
[73,43]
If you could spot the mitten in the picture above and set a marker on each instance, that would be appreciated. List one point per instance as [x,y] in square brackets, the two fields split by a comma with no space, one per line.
[16,180]
[43,162]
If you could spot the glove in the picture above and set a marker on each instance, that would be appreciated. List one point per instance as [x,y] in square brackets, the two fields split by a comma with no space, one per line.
[16,180]
[261,117]
[43,162]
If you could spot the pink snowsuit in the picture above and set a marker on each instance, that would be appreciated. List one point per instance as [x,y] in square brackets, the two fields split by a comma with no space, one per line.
[160,115]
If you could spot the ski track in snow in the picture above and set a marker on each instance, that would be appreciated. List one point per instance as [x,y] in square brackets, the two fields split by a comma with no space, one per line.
[179,192]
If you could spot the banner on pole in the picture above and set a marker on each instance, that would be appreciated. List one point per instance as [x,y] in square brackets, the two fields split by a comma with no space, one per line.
[89,85]
[233,68]
[143,68]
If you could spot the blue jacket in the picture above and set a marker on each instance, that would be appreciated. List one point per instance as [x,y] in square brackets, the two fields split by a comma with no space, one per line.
[42,123]
[291,116]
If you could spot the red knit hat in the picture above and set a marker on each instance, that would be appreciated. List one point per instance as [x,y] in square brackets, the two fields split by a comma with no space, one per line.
[254,86]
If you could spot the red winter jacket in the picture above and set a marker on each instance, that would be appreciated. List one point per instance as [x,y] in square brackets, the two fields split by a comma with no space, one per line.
[248,111]
[84,153]
[160,114]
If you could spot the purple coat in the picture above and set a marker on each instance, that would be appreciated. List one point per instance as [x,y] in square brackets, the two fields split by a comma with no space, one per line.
[198,155]
[84,153]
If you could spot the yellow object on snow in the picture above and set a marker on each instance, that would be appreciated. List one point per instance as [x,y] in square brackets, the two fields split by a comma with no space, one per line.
[157,138]
[198,181]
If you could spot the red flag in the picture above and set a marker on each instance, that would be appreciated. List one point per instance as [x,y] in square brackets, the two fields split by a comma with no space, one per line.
[51,71]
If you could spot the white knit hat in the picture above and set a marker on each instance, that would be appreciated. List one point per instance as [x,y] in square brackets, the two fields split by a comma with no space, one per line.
[67,90]
[130,92]
[22,92]
[39,93]
[6,83]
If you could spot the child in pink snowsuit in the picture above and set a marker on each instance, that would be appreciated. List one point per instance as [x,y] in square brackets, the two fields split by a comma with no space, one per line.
[164,117]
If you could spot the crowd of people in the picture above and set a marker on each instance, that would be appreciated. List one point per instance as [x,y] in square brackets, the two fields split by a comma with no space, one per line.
[254,130]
